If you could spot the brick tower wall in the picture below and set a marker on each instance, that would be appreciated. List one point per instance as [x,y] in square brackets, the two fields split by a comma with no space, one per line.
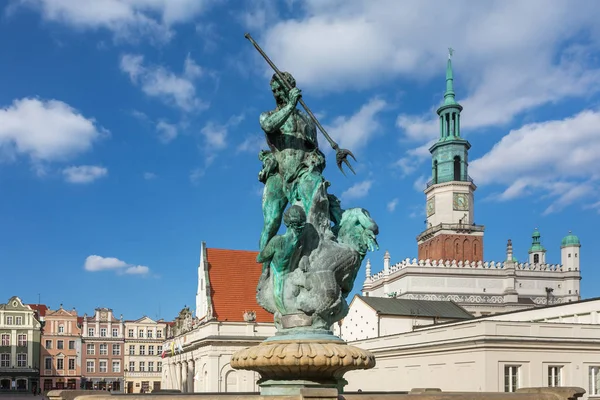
[452,247]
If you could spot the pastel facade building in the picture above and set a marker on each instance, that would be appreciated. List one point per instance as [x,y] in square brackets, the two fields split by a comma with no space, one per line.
[144,339]
[451,264]
[61,350]
[20,333]
[102,346]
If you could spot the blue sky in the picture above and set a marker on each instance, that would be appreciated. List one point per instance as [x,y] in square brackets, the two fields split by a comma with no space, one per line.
[129,130]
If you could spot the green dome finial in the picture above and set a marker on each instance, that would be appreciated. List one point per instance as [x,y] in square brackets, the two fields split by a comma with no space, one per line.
[570,240]
[536,244]
[449,95]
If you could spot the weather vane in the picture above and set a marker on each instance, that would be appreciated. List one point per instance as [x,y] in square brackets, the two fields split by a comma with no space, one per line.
[450,52]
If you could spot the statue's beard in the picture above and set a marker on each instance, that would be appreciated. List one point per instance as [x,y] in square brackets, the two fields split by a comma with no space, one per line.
[281,101]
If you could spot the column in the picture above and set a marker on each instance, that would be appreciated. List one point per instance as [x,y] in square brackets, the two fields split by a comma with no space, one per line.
[179,377]
[191,374]
[184,376]
[197,372]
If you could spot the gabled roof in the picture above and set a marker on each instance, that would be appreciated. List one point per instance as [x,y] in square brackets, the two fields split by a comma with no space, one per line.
[39,309]
[233,276]
[416,308]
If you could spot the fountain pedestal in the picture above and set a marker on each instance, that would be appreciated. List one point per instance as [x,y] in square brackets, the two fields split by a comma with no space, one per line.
[289,365]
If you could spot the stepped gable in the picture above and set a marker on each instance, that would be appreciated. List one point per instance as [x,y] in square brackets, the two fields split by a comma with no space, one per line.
[233,276]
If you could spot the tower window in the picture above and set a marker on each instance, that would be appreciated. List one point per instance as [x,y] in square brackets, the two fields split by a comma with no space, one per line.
[569,255]
[457,168]
[435,171]
[575,255]
[536,258]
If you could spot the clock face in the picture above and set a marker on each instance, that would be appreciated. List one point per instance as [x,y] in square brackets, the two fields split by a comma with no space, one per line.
[430,206]
[103,315]
[461,202]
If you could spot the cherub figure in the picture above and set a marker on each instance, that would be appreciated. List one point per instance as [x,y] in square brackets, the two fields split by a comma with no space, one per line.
[279,251]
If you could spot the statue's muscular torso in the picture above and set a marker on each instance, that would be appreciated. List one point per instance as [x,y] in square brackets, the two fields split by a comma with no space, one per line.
[292,142]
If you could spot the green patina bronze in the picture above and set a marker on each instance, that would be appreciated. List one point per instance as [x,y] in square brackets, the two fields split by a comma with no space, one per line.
[309,270]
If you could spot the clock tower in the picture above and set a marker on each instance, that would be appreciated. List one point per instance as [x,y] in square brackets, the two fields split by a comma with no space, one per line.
[451,233]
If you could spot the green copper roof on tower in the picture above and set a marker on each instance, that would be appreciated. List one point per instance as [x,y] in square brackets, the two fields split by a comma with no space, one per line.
[449,95]
[536,244]
[570,240]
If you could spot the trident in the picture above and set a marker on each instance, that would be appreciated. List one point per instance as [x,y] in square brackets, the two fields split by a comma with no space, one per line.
[341,155]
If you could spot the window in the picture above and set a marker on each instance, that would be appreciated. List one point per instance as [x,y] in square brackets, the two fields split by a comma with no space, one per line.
[60,344]
[71,364]
[91,349]
[103,366]
[18,320]
[569,256]
[103,349]
[130,333]
[536,258]
[60,364]
[22,340]
[9,320]
[102,332]
[116,366]
[142,366]
[90,367]
[71,345]
[149,334]
[131,366]
[594,381]
[150,366]
[159,349]
[5,360]
[116,350]
[554,372]
[115,332]
[48,363]
[61,329]
[142,350]
[22,360]
[151,350]
[131,349]
[159,366]
[511,378]
[159,333]
[91,332]
[6,339]
[141,333]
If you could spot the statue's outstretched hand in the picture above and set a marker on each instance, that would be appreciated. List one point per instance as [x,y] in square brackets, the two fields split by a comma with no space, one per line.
[294,95]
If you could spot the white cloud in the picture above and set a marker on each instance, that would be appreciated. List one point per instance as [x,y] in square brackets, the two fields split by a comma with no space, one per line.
[84,173]
[167,132]
[391,206]
[512,56]
[98,263]
[357,191]
[45,130]
[95,263]
[555,158]
[137,270]
[215,135]
[157,81]
[252,144]
[149,176]
[126,19]
[355,131]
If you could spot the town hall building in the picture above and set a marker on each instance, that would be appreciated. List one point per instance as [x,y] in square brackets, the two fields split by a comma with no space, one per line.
[451,263]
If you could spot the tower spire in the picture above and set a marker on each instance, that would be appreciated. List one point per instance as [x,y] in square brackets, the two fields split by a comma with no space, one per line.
[449,95]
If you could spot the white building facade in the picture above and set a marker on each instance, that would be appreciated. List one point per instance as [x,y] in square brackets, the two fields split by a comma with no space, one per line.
[500,353]
[196,357]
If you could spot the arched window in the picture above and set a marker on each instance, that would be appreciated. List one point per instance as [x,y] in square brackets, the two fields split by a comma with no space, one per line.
[457,168]
[474,249]
[435,172]
[536,258]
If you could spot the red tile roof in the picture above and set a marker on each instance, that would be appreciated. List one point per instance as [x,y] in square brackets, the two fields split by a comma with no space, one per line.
[233,278]
[39,309]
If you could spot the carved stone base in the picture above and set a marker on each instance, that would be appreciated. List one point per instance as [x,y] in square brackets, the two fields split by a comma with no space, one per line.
[288,366]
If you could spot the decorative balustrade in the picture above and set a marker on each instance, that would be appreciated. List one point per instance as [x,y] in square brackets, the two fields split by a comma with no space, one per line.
[414,263]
